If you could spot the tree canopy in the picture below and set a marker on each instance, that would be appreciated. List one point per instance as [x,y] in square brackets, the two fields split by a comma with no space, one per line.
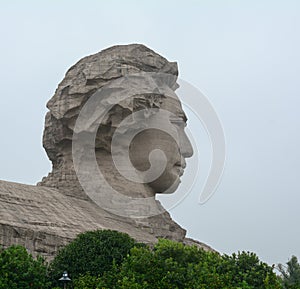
[92,252]
[173,265]
[18,269]
[107,259]
[290,274]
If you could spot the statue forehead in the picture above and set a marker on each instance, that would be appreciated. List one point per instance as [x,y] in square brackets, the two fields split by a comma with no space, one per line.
[173,105]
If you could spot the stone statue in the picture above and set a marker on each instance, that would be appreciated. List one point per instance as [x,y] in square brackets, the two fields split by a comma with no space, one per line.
[95,72]
[115,136]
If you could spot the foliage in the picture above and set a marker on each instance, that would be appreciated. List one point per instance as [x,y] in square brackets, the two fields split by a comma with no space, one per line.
[18,269]
[109,259]
[172,265]
[91,253]
[291,274]
[245,269]
[86,281]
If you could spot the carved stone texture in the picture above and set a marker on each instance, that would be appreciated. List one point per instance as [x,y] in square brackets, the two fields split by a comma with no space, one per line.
[48,216]
[43,220]
[80,82]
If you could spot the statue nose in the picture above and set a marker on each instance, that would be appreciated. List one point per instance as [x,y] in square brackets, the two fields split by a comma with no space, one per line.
[186,148]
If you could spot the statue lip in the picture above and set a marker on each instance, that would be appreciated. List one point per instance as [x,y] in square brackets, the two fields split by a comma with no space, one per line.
[180,167]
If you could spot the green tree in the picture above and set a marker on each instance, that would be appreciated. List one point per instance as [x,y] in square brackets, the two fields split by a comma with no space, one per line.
[86,281]
[245,269]
[18,269]
[169,265]
[290,274]
[172,265]
[91,252]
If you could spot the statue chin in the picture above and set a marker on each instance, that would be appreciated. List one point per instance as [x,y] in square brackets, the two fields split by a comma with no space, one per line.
[166,184]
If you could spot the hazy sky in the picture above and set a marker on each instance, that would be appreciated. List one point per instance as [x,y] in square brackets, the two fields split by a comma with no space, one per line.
[243,55]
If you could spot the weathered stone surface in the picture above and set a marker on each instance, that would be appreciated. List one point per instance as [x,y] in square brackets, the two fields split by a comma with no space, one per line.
[48,216]
[80,82]
[43,219]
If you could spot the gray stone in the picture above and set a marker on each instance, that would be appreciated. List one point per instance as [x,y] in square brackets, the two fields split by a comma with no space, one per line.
[45,217]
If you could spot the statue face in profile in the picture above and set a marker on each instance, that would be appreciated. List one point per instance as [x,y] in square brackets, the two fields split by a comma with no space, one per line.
[142,130]
[175,150]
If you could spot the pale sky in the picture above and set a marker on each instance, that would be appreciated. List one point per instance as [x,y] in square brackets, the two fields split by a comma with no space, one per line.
[243,55]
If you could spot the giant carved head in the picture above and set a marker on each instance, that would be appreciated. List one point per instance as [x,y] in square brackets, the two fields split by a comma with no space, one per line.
[117,112]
